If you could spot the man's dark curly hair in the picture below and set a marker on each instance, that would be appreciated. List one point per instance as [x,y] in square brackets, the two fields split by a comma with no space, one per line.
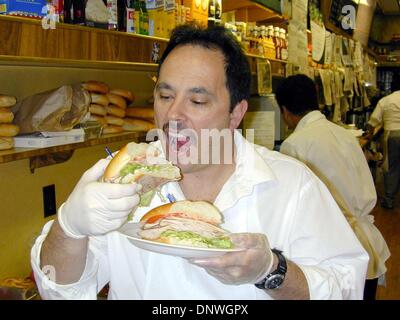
[237,68]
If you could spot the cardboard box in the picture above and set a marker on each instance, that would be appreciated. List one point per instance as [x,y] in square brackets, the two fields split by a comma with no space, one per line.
[169,22]
[33,8]
[43,140]
[155,10]
[198,11]
[154,4]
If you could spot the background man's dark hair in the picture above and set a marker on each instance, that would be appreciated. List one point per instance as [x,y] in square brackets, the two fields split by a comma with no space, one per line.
[237,69]
[298,94]
[395,85]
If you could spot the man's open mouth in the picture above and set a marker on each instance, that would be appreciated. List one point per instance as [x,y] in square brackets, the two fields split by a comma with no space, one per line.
[179,141]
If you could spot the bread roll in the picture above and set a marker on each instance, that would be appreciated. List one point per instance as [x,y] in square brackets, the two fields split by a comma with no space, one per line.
[140,112]
[131,124]
[97,109]
[8,130]
[6,143]
[7,101]
[117,100]
[112,129]
[96,86]
[114,120]
[6,116]
[115,111]
[128,95]
[98,119]
[99,99]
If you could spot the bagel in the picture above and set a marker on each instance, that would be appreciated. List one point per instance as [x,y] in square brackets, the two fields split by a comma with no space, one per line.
[115,111]
[96,86]
[128,95]
[116,100]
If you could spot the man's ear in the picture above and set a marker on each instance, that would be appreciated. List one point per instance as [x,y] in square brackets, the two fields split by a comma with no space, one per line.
[285,114]
[237,114]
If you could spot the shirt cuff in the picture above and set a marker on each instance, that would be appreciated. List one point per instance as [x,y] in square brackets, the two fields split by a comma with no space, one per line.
[324,284]
[85,288]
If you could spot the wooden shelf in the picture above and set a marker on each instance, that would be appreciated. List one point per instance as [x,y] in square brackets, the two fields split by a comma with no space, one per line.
[67,26]
[72,63]
[250,11]
[389,64]
[26,37]
[265,58]
[25,153]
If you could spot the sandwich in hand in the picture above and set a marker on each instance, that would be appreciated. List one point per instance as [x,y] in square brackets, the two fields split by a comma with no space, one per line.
[140,163]
[186,223]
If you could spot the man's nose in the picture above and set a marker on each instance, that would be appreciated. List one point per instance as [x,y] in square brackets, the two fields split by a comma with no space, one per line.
[176,111]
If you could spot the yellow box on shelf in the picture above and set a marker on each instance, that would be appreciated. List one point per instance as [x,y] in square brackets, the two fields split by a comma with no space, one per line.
[199,10]
[168,17]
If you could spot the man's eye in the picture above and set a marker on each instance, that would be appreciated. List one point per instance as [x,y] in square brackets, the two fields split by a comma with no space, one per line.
[164,97]
[196,102]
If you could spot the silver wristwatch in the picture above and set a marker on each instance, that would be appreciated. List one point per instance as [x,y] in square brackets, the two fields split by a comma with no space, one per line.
[275,279]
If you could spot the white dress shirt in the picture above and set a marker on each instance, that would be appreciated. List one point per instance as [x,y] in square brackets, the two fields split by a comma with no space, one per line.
[336,157]
[387,112]
[268,193]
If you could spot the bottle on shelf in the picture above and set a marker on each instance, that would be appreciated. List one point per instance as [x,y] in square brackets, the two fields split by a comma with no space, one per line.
[78,12]
[144,19]
[122,17]
[130,17]
[68,11]
[137,16]
[284,48]
[211,12]
[112,8]
[277,43]
[218,12]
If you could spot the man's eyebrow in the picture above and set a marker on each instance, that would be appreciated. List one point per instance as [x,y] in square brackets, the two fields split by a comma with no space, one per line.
[163,85]
[200,90]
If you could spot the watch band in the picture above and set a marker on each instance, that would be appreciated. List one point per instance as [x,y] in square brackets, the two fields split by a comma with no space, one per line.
[275,279]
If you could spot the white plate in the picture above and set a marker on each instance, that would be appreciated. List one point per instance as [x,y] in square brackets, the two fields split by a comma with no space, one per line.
[130,231]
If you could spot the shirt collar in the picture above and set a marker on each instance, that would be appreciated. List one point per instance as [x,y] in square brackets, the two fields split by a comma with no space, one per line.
[309,118]
[251,170]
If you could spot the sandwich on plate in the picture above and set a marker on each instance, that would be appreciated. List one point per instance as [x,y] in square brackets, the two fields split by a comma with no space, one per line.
[186,223]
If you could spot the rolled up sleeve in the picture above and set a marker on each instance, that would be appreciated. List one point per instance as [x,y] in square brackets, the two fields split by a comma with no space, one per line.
[93,279]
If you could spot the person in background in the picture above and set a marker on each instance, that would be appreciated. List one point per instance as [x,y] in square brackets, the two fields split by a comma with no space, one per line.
[387,113]
[336,157]
[295,242]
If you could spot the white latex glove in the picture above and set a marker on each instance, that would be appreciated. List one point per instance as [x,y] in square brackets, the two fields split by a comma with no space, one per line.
[248,266]
[96,208]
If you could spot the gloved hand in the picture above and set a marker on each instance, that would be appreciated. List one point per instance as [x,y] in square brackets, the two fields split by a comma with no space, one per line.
[96,208]
[248,266]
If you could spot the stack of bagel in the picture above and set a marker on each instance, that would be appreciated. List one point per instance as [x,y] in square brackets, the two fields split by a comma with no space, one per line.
[108,105]
[7,129]
[113,109]
[139,119]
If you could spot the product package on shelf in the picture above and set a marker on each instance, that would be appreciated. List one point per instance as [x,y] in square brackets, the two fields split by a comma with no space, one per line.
[44,140]
[31,9]
[198,10]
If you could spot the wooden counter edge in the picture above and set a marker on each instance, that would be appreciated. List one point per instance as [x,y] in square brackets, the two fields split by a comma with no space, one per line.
[25,153]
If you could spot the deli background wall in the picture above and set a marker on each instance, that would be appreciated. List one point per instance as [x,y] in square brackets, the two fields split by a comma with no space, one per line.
[21,209]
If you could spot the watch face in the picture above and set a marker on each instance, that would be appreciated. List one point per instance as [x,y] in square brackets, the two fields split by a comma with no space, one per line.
[274,281]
